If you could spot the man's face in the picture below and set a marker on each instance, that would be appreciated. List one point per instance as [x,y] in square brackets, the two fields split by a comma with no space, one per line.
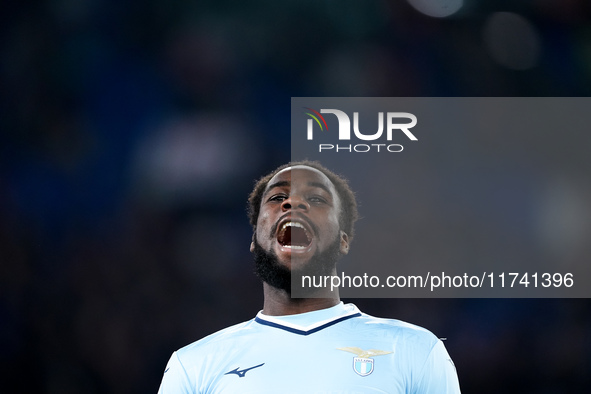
[299,217]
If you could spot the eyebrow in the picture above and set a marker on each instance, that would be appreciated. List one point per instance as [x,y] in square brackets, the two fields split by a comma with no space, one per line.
[321,186]
[277,184]
[286,183]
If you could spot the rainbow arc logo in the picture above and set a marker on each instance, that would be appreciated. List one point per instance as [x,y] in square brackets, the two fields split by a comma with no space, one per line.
[316,118]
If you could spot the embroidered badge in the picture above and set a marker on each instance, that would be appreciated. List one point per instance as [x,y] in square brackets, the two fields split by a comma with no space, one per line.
[363,364]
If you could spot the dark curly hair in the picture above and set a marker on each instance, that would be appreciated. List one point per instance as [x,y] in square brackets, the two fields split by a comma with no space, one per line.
[349,214]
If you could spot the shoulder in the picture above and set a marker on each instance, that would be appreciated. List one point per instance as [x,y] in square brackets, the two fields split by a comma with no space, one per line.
[402,333]
[188,366]
[396,325]
[224,338]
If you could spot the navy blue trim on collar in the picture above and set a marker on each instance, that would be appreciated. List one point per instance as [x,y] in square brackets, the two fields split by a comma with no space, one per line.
[303,332]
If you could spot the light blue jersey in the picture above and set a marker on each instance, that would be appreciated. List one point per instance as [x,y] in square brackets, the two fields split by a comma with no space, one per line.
[335,350]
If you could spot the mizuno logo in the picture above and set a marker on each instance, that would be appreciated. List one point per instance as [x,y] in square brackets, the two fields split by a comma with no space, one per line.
[244,371]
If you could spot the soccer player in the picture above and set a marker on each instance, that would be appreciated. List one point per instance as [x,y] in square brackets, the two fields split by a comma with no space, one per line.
[303,215]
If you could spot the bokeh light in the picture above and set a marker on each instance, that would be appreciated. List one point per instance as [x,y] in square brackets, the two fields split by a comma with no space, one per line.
[512,41]
[437,8]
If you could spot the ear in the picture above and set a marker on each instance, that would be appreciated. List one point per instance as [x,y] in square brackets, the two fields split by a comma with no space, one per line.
[252,244]
[344,247]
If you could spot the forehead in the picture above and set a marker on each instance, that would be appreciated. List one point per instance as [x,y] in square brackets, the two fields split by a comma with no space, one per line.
[302,175]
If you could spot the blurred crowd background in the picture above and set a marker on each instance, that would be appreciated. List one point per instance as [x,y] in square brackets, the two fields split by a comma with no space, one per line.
[131,133]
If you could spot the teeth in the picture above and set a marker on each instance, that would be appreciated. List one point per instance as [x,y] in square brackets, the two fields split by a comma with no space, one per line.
[294,247]
[294,224]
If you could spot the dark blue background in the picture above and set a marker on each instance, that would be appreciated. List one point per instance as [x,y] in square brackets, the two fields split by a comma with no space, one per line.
[131,133]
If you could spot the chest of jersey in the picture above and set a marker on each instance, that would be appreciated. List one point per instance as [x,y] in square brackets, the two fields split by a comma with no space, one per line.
[325,362]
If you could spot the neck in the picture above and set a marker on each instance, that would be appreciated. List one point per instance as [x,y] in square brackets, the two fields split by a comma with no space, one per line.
[279,302]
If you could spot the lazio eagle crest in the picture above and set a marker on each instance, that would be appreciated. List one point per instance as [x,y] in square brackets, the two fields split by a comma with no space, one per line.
[363,363]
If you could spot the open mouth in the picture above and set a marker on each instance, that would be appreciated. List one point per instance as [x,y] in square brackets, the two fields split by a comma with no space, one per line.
[294,235]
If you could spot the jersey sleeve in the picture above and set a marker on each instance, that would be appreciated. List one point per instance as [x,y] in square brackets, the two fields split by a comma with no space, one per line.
[438,375]
[175,379]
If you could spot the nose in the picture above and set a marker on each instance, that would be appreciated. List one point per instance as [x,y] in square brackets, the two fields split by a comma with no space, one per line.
[295,202]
